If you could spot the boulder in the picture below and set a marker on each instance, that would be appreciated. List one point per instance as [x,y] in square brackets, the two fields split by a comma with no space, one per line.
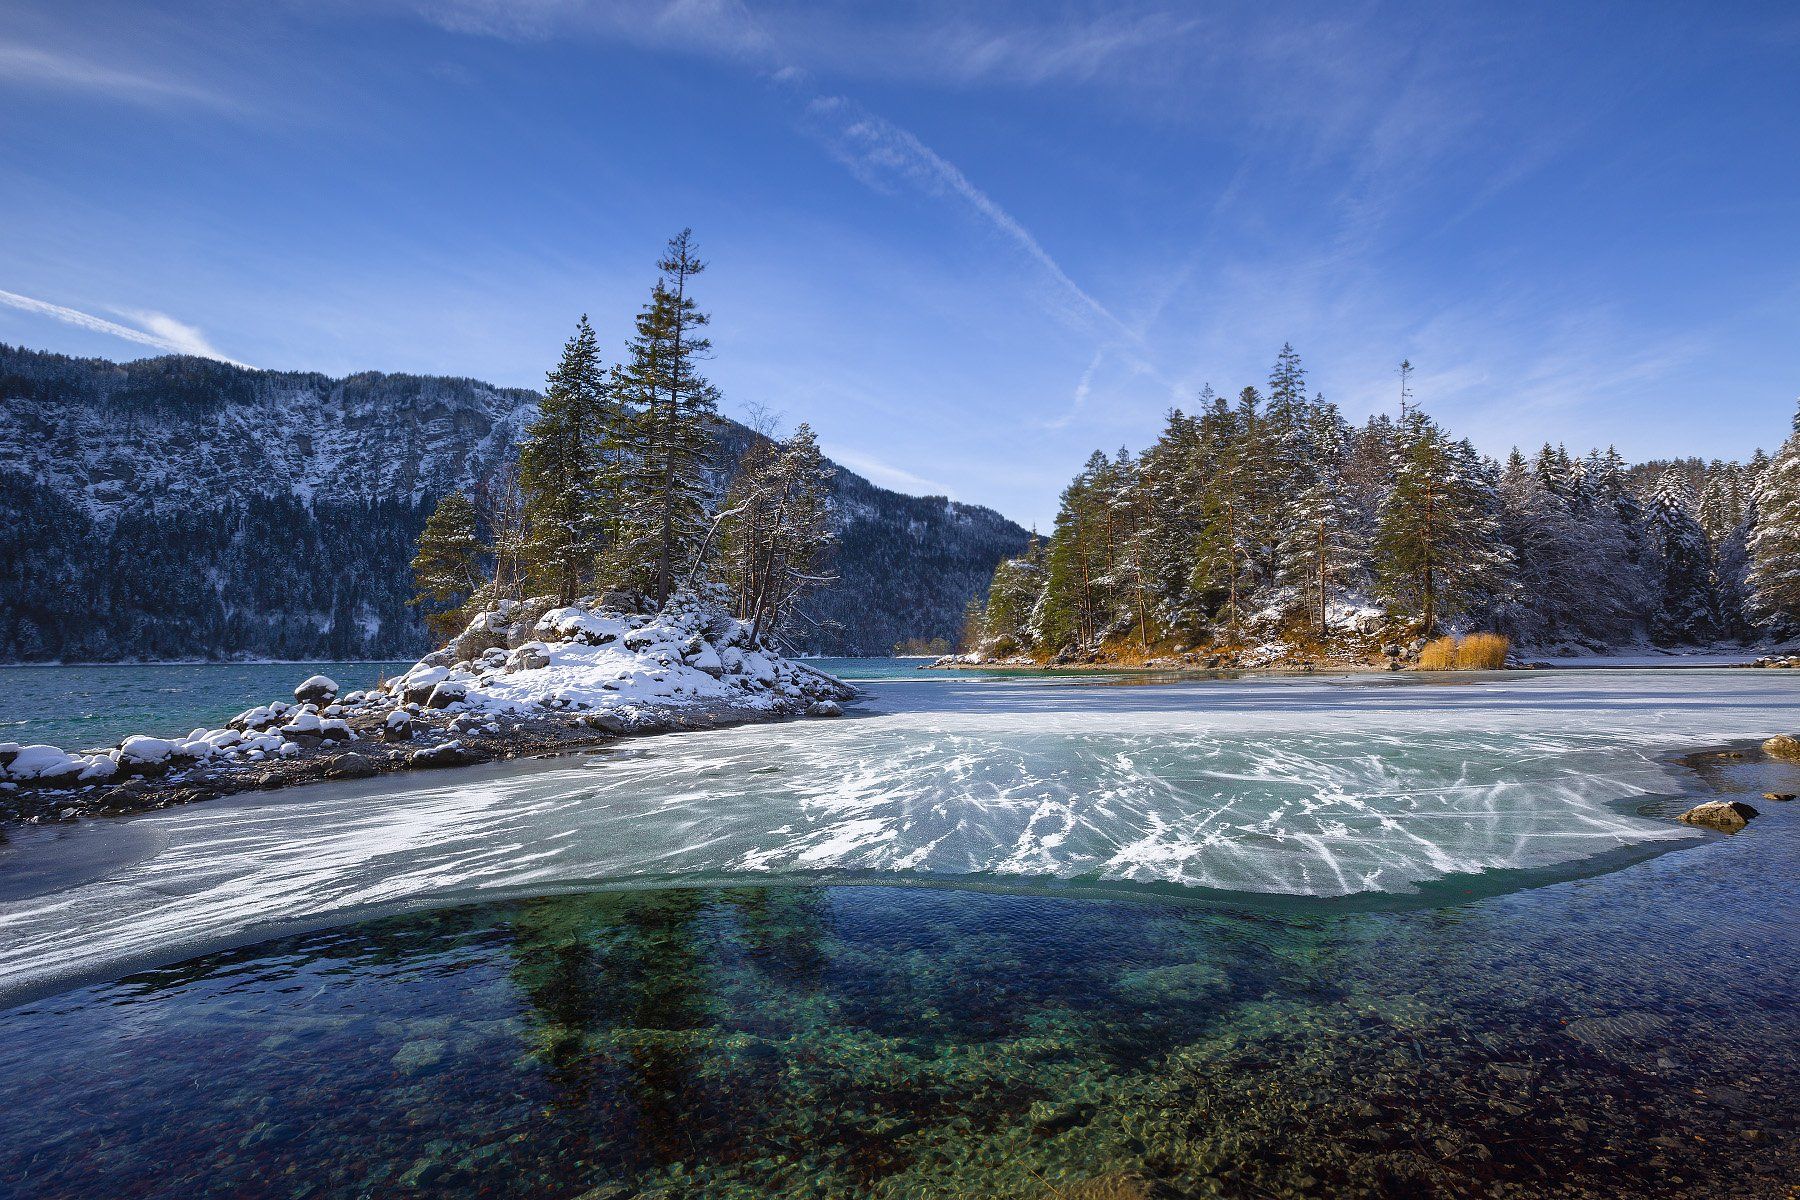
[532,656]
[449,754]
[1727,815]
[825,708]
[607,722]
[450,691]
[1783,746]
[398,727]
[320,690]
[350,765]
[1778,795]
[302,724]
[44,763]
[141,755]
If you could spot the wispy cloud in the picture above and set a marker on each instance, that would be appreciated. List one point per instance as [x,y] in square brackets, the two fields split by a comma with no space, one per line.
[156,330]
[880,153]
[886,474]
[37,67]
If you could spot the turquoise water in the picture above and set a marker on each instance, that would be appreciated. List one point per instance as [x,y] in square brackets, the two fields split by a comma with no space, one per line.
[1023,937]
[82,707]
[78,708]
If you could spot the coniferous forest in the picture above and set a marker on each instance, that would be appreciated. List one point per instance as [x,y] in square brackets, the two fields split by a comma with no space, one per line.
[1267,526]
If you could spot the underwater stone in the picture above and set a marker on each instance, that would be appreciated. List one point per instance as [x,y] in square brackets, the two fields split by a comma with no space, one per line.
[1783,746]
[1729,815]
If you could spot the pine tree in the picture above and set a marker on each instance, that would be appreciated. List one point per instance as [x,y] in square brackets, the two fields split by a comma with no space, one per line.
[447,568]
[668,440]
[1775,544]
[559,469]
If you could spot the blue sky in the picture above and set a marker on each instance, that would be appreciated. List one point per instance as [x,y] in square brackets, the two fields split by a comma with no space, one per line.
[969,244]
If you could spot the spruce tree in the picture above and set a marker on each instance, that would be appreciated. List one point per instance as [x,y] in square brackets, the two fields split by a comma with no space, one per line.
[1775,544]
[1321,539]
[1437,544]
[447,568]
[669,438]
[559,470]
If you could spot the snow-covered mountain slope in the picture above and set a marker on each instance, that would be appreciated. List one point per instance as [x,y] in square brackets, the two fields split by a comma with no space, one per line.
[202,510]
[172,431]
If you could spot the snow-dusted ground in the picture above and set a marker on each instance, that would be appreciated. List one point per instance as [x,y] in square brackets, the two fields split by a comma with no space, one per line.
[1313,786]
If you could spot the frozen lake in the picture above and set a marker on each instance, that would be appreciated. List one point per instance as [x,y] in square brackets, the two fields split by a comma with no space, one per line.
[1315,787]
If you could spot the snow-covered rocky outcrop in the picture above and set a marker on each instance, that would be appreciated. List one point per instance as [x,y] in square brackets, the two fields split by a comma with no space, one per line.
[619,670]
[529,677]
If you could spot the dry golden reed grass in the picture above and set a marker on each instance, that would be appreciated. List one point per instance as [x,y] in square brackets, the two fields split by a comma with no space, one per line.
[1439,655]
[1482,652]
[1477,652]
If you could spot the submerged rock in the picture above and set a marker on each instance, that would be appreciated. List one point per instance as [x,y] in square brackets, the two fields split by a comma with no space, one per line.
[1783,746]
[1728,815]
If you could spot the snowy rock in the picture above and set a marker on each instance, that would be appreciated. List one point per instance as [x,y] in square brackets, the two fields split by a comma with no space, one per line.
[43,763]
[336,730]
[260,717]
[447,754]
[416,685]
[140,751]
[532,656]
[825,708]
[446,693]
[398,727]
[302,724]
[319,689]
[8,752]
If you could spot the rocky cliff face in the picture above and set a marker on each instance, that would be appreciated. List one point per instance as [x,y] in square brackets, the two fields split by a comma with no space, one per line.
[183,508]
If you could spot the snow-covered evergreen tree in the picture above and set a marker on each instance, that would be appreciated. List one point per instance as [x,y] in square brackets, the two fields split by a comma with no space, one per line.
[1437,545]
[1774,546]
[1686,613]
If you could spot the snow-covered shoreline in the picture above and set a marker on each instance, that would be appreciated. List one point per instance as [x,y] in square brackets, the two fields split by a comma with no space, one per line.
[529,677]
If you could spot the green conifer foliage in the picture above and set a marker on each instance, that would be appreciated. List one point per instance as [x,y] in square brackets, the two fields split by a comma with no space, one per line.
[668,439]
[559,470]
[447,569]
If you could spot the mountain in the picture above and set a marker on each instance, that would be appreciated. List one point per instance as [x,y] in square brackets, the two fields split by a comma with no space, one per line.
[184,508]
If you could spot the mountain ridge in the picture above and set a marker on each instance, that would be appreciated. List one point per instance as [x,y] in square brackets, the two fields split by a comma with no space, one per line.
[198,509]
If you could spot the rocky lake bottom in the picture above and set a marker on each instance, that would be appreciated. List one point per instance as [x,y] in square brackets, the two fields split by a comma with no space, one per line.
[981,938]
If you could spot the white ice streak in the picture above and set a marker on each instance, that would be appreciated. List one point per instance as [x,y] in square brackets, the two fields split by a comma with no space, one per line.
[1307,787]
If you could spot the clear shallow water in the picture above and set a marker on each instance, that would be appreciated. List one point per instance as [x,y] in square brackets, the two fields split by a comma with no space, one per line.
[1584,1017]
[78,708]
[1634,1034]
[1311,787]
